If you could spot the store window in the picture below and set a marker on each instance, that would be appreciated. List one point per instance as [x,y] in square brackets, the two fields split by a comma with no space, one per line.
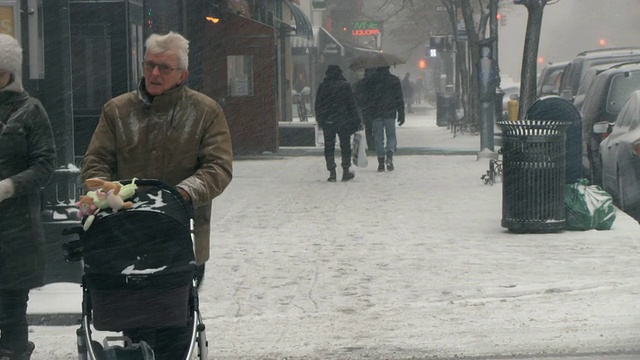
[240,75]
[10,19]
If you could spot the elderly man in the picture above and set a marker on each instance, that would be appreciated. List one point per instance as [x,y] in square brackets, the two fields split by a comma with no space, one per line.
[166,131]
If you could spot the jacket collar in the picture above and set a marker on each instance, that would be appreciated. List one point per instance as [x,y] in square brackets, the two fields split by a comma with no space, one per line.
[10,97]
[169,98]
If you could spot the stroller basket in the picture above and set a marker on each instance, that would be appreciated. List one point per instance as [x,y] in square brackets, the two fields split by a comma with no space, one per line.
[131,309]
[139,263]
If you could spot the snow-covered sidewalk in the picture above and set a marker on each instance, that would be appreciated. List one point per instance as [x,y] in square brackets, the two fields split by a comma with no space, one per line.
[392,265]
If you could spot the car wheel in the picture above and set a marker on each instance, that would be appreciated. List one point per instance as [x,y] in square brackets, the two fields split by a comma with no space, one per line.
[621,202]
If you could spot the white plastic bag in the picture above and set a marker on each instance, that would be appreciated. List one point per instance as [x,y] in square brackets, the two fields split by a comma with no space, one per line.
[359,150]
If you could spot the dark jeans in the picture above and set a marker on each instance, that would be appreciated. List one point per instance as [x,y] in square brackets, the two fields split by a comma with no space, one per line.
[330,147]
[168,343]
[13,320]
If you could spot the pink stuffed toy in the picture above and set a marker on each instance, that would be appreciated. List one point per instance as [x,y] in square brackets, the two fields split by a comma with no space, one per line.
[85,206]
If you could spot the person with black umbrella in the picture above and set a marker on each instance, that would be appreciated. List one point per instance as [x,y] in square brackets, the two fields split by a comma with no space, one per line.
[385,101]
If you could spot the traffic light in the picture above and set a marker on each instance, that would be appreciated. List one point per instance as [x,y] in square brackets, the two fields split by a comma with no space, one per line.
[437,43]
[422,63]
[150,19]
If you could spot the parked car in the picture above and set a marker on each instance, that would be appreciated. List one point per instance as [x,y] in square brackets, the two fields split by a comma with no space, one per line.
[549,78]
[587,80]
[578,67]
[603,101]
[620,155]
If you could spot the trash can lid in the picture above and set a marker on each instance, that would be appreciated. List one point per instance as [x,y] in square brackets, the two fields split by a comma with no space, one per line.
[553,107]
[533,127]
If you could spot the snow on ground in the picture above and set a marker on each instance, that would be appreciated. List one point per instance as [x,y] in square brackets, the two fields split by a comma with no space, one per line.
[397,264]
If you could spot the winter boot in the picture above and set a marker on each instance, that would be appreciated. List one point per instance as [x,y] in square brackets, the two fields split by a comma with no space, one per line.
[380,164]
[332,175]
[389,161]
[346,174]
[26,355]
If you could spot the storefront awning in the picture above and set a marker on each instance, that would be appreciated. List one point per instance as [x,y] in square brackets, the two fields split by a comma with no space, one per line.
[357,49]
[298,42]
[328,44]
[303,24]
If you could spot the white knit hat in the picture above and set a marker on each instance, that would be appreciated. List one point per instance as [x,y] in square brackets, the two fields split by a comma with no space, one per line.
[11,61]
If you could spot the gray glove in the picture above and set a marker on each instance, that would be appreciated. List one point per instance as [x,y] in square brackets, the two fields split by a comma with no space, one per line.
[7,189]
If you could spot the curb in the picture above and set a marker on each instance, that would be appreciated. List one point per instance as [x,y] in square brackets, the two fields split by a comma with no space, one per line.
[54,319]
[316,151]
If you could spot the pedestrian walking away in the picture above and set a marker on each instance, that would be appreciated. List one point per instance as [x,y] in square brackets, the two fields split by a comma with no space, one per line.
[361,93]
[419,90]
[337,114]
[27,160]
[407,91]
[164,130]
[386,103]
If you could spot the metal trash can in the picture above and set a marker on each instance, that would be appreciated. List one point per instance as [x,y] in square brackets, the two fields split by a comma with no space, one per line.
[59,213]
[445,108]
[553,107]
[533,165]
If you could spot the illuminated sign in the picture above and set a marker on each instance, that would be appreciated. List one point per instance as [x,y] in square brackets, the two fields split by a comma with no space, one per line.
[366,28]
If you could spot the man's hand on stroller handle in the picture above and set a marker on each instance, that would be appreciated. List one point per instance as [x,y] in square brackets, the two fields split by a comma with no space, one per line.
[185,195]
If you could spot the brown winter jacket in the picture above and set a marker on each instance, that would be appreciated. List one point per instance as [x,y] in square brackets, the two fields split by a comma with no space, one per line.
[27,157]
[180,137]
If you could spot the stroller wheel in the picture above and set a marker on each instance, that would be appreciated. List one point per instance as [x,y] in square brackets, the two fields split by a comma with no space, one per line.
[98,349]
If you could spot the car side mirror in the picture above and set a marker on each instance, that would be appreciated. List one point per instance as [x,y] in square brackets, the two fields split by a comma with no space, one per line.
[547,89]
[566,94]
[602,127]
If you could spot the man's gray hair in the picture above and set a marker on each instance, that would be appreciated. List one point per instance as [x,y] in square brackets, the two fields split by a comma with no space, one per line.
[172,41]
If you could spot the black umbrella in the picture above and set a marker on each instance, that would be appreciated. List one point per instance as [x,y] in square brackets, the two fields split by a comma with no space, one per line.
[375,60]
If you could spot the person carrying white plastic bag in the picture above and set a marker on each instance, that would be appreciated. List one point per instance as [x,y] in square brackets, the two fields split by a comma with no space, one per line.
[359,149]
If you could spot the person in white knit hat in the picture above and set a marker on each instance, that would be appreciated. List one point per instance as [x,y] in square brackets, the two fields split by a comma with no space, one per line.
[27,160]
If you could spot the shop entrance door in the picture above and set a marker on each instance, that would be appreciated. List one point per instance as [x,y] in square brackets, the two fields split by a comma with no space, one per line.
[106,56]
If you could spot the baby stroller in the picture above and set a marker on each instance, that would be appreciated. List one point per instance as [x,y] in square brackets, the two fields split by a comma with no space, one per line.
[138,273]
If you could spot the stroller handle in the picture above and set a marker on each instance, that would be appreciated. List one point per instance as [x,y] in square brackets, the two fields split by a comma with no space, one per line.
[164,186]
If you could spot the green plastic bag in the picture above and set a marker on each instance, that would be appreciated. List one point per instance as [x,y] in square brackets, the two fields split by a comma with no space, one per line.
[588,207]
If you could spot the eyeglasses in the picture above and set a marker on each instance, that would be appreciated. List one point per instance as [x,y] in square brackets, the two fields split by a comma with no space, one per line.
[163,68]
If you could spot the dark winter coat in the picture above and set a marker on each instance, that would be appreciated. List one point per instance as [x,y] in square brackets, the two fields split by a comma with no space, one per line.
[336,105]
[384,98]
[361,93]
[180,137]
[27,157]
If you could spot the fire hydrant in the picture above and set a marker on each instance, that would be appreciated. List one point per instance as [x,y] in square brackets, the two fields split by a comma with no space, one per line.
[512,108]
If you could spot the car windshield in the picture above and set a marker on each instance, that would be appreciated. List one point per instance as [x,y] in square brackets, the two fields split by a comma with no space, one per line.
[622,85]
[550,82]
